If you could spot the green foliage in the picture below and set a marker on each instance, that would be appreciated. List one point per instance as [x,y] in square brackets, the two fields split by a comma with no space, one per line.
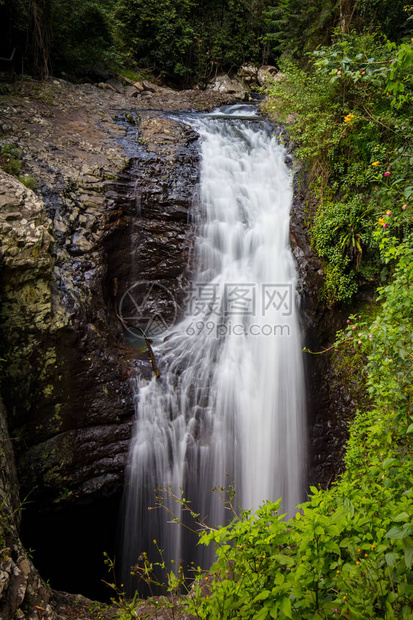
[29,181]
[341,233]
[126,608]
[189,40]
[151,574]
[183,40]
[10,159]
[295,26]
[389,16]
[389,68]
[350,117]
[342,556]
[82,34]
[156,32]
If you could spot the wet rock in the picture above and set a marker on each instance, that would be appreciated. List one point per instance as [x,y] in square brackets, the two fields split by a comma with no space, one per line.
[106,86]
[116,85]
[115,192]
[139,86]
[113,205]
[148,87]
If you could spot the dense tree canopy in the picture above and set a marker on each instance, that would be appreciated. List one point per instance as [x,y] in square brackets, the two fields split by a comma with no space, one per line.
[182,41]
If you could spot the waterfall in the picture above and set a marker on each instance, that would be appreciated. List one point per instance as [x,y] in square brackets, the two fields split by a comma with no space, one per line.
[229,404]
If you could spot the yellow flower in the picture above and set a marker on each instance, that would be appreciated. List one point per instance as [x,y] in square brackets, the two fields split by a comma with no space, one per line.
[376,163]
[349,118]
[381,221]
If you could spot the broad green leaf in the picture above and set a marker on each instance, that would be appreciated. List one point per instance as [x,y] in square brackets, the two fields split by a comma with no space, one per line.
[286,607]
[403,516]
[408,557]
[391,558]
[398,533]
[283,559]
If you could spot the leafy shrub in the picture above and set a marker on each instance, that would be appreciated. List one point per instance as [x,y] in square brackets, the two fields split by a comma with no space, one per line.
[349,117]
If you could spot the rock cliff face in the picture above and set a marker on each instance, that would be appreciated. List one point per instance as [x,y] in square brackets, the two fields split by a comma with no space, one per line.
[115,187]
[112,207]
[112,204]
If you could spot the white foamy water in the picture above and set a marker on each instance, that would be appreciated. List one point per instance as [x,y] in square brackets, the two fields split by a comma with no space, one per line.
[229,406]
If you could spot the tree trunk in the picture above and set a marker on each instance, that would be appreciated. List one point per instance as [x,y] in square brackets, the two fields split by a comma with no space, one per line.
[41,17]
[347,10]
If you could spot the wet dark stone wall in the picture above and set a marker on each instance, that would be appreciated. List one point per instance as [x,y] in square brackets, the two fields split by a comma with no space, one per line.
[147,237]
[333,394]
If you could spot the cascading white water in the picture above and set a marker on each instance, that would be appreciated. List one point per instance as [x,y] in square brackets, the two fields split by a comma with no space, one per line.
[229,406]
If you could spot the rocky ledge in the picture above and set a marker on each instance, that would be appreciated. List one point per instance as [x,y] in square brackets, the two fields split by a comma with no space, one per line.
[115,180]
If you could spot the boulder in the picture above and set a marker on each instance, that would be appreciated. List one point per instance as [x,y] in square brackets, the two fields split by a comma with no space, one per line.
[266,72]
[124,80]
[105,86]
[230,85]
[116,85]
[249,74]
